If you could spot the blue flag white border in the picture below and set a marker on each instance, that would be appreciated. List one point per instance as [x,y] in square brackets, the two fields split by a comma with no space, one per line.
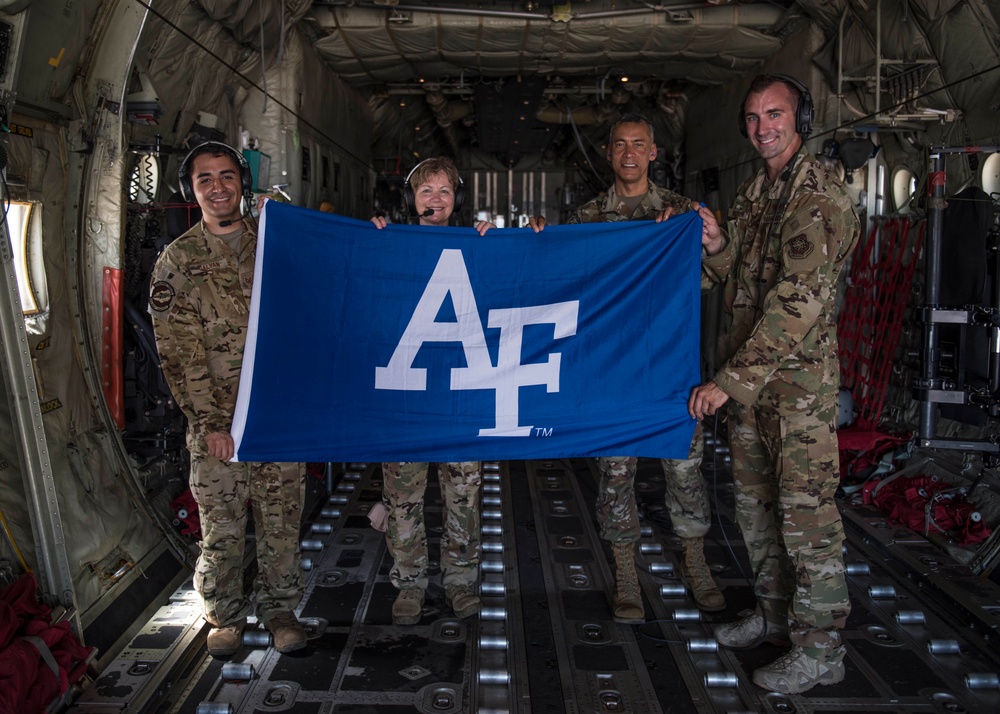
[249,363]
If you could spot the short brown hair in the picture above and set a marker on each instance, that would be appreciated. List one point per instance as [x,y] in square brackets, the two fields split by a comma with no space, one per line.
[437,165]
[763,81]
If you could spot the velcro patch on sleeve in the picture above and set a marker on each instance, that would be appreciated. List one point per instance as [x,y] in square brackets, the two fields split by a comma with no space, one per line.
[161,295]
[799,248]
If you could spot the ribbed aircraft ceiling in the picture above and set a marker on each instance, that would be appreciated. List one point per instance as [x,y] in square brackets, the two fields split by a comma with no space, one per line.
[529,79]
[502,83]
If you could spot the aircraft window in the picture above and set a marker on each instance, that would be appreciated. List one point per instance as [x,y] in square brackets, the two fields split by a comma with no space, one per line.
[25,227]
[904,186]
[991,175]
[145,180]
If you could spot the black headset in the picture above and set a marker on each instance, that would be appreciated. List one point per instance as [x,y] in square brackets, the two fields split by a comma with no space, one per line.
[803,111]
[184,170]
[411,202]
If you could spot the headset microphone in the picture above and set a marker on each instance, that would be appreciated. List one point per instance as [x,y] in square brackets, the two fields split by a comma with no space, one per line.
[223,224]
[428,212]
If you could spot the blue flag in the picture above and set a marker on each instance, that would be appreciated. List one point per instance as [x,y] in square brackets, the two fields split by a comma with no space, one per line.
[415,343]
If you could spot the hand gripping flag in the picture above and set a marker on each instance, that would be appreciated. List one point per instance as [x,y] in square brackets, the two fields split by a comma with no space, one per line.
[414,343]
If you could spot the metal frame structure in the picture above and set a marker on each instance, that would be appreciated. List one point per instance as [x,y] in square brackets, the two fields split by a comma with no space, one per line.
[930,388]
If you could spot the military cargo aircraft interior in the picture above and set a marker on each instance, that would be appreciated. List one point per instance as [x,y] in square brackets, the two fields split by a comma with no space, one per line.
[331,105]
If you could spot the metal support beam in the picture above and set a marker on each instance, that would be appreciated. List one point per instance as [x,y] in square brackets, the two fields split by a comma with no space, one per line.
[932,292]
[53,569]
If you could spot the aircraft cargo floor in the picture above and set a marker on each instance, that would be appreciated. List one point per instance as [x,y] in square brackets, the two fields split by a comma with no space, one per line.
[920,638]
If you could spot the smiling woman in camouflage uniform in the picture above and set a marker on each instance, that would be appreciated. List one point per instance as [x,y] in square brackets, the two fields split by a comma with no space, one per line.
[433,192]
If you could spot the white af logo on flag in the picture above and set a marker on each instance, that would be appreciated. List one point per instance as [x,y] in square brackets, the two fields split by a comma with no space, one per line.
[452,277]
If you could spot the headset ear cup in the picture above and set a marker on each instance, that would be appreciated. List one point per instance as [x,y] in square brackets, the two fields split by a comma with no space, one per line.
[246,175]
[804,115]
[408,199]
[459,196]
[187,190]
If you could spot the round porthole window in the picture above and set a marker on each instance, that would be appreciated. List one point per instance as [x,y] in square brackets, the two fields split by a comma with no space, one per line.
[991,175]
[904,186]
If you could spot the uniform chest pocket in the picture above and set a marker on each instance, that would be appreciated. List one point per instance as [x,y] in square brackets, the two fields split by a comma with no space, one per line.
[223,299]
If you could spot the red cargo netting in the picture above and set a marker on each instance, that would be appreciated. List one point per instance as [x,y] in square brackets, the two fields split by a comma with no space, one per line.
[872,316]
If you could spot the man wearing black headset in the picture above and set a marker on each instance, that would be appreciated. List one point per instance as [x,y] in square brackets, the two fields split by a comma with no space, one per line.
[200,303]
[790,231]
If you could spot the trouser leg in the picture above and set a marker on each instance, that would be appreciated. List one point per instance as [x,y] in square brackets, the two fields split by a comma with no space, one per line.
[808,471]
[460,543]
[686,495]
[277,491]
[403,488]
[617,512]
[756,496]
[221,491]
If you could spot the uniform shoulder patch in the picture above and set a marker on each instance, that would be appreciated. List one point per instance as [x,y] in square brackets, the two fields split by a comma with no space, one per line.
[161,295]
[799,247]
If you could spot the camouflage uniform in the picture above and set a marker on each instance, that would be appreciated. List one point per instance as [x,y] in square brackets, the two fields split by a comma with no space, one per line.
[686,497]
[403,490]
[782,373]
[199,301]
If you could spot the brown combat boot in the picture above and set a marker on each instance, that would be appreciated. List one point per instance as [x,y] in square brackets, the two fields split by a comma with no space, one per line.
[627,602]
[463,601]
[408,607]
[225,641]
[698,578]
[288,634]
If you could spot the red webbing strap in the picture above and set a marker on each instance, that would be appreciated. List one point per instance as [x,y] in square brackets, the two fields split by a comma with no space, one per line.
[871,319]
[112,330]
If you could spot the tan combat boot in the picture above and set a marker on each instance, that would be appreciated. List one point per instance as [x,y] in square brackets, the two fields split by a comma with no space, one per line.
[627,602]
[225,641]
[288,633]
[463,601]
[408,607]
[698,578]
